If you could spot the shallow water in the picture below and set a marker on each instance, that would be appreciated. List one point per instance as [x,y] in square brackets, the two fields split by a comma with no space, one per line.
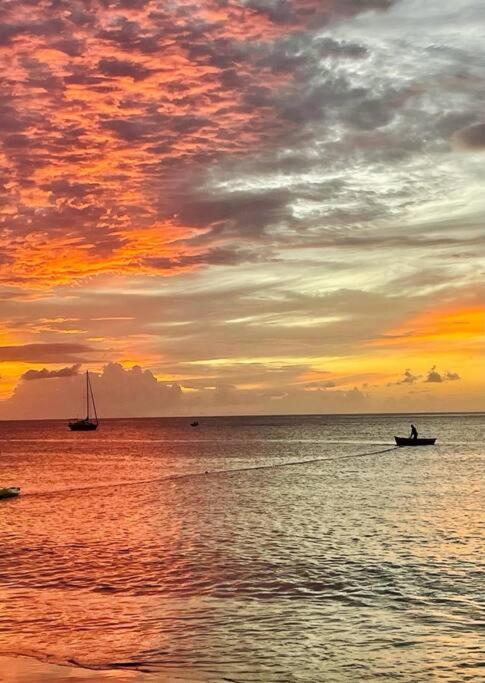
[152,545]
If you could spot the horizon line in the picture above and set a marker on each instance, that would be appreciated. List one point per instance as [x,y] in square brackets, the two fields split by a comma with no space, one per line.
[250,415]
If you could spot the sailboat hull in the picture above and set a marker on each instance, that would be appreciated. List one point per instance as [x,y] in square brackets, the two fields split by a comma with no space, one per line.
[82,426]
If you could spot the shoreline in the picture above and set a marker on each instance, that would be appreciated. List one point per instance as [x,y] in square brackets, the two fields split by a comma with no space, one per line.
[30,669]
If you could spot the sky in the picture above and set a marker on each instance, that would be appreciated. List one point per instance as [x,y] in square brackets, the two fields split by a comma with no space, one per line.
[242,206]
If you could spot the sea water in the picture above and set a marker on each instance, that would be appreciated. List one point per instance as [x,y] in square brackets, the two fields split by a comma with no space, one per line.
[268,549]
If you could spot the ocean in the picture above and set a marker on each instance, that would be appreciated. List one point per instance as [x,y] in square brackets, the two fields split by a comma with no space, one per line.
[247,549]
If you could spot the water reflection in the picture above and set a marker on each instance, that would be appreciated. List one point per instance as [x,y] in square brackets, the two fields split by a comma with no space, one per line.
[265,575]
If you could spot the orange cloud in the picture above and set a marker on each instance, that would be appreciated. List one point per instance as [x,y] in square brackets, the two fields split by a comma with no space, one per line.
[105,113]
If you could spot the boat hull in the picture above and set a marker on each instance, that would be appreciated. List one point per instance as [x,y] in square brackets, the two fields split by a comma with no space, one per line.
[82,426]
[406,441]
[9,492]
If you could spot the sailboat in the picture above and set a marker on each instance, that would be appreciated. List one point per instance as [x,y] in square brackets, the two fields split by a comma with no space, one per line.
[87,424]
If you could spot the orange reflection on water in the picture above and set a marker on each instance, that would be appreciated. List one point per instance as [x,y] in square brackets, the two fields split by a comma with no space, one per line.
[101,574]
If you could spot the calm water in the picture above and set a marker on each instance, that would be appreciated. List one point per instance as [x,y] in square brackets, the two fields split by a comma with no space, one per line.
[152,545]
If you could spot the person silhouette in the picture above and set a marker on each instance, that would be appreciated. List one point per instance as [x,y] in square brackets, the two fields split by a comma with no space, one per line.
[414,432]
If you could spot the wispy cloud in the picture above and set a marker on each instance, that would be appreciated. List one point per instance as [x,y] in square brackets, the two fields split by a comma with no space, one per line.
[44,353]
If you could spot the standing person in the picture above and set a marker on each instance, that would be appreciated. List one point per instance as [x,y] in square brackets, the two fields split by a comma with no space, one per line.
[414,432]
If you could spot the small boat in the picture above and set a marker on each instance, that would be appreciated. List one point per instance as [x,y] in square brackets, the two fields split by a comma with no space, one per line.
[86,424]
[9,492]
[407,441]
[194,423]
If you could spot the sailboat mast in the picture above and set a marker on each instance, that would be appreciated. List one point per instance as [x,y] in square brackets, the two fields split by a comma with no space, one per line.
[92,400]
[87,395]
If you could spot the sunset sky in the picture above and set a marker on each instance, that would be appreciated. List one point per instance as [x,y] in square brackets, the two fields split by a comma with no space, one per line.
[242,206]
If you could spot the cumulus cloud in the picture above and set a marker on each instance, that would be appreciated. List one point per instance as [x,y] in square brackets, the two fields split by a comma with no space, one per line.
[51,374]
[435,377]
[135,392]
[407,378]
[119,392]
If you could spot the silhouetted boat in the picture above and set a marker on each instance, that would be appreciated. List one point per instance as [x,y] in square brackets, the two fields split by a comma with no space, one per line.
[9,492]
[194,423]
[407,441]
[86,425]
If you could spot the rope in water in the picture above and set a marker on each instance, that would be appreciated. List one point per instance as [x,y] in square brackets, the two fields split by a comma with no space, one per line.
[172,477]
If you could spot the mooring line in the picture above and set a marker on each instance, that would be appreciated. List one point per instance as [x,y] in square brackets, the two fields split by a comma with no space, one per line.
[174,477]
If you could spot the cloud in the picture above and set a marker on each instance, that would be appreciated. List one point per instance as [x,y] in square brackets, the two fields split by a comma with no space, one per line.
[44,353]
[471,138]
[216,257]
[237,80]
[118,392]
[123,67]
[407,378]
[330,384]
[313,12]
[228,179]
[50,374]
[435,377]
[135,392]
[431,377]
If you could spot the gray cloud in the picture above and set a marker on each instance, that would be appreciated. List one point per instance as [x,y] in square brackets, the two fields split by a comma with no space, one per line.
[51,374]
[214,257]
[123,67]
[435,377]
[242,213]
[45,352]
[471,138]
[317,13]
[407,378]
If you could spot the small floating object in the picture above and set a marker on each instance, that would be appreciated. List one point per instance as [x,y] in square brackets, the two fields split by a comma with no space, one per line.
[407,441]
[194,423]
[9,492]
